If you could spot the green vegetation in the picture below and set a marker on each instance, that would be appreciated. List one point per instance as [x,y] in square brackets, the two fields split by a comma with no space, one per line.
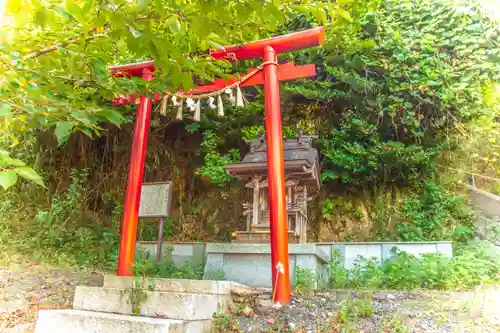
[213,167]
[55,55]
[472,265]
[305,280]
[435,214]
[63,233]
[166,268]
[353,309]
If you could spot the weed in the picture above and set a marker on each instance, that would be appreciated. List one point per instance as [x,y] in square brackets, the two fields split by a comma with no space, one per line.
[393,325]
[364,306]
[339,276]
[166,268]
[305,280]
[222,323]
[137,295]
[350,312]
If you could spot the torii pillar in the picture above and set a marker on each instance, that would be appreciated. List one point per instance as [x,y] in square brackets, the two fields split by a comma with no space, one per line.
[268,50]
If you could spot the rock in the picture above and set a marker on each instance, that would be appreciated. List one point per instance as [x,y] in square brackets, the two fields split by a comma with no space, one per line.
[242,290]
[270,321]
[277,306]
[248,311]
[264,303]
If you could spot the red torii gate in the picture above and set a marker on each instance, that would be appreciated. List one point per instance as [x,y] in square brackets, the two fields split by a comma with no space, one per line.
[272,73]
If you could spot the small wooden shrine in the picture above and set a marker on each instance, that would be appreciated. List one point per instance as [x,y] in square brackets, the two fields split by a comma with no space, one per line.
[302,182]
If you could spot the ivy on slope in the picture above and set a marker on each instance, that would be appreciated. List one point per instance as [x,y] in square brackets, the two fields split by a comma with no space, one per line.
[387,106]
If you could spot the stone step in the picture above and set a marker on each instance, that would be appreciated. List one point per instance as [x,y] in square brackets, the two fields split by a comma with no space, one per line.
[168,285]
[178,285]
[134,301]
[77,321]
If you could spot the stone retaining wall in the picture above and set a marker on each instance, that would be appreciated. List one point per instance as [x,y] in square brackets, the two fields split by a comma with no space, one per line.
[250,264]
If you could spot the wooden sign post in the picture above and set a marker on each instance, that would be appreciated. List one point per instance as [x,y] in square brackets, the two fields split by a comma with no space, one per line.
[156,202]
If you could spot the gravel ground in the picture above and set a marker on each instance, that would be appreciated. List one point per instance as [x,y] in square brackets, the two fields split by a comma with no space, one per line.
[365,312]
[25,290]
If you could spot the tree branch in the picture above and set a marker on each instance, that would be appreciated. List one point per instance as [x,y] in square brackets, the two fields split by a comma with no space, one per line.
[56,46]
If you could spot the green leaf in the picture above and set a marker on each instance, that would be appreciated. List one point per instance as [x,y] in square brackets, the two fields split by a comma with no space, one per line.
[329,174]
[5,110]
[113,116]
[143,4]
[175,25]
[7,179]
[303,9]
[63,130]
[7,160]
[87,132]
[41,17]
[134,32]
[75,10]
[187,81]
[87,6]
[344,14]
[29,174]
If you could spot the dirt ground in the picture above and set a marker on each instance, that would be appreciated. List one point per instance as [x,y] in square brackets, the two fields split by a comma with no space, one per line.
[372,311]
[26,289]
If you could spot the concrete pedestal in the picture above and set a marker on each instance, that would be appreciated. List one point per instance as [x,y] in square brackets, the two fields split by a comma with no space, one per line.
[250,264]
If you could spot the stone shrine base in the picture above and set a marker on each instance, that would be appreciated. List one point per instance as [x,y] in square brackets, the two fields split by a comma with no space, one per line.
[250,264]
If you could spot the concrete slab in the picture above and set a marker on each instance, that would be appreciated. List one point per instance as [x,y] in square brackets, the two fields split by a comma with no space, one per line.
[238,261]
[177,285]
[353,252]
[168,285]
[174,305]
[180,253]
[414,249]
[349,251]
[77,321]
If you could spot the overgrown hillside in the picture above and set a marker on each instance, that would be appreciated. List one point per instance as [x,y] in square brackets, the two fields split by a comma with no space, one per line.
[404,91]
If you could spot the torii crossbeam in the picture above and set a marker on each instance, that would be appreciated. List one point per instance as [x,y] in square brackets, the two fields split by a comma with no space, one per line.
[272,74]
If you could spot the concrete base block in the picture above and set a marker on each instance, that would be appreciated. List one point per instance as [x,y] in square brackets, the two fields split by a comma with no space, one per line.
[180,253]
[351,251]
[168,285]
[77,321]
[240,262]
[175,305]
[223,288]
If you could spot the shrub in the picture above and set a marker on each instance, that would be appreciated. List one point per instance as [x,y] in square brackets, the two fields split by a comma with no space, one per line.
[304,279]
[473,264]
[435,214]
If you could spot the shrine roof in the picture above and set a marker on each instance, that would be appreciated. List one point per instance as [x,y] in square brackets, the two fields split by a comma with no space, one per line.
[301,160]
[292,149]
